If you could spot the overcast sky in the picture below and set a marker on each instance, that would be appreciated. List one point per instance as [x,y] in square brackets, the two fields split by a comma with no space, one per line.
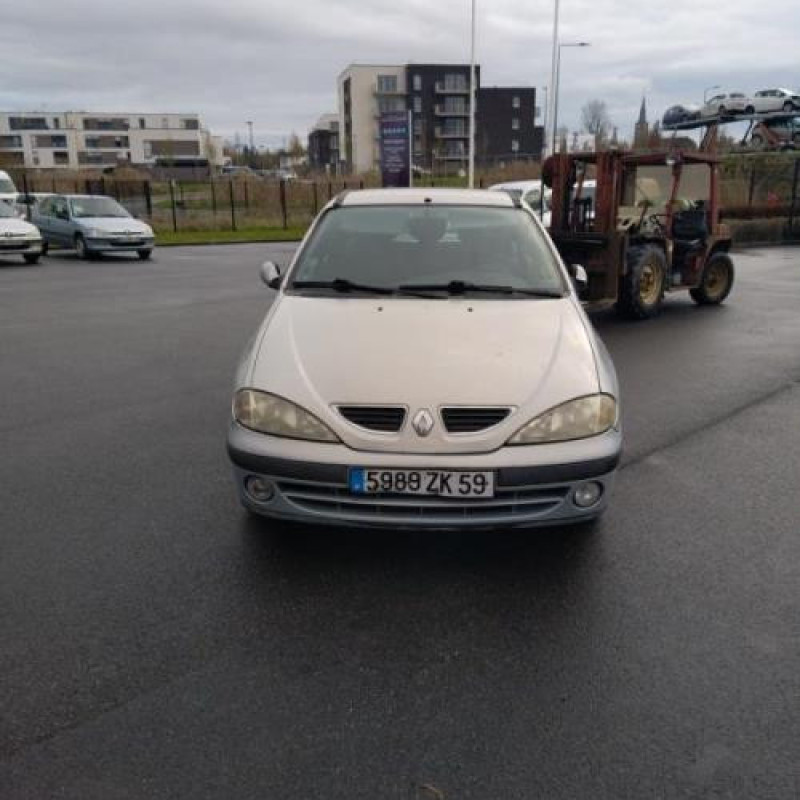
[276,62]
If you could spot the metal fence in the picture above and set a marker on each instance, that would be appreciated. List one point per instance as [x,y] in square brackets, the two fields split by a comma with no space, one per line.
[752,187]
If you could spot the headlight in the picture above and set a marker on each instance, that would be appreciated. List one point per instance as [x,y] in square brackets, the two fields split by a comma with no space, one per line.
[95,233]
[577,419]
[33,235]
[148,231]
[267,413]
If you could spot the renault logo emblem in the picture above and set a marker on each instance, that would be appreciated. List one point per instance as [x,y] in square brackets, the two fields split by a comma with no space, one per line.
[423,422]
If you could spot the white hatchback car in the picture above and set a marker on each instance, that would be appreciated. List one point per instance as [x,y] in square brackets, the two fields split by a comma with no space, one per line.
[775,100]
[18,237]
[426,363]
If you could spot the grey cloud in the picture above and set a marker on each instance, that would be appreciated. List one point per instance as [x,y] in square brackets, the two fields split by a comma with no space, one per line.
[276,62]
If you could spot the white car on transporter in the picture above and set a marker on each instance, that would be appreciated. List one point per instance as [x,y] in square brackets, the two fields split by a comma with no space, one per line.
[426,363]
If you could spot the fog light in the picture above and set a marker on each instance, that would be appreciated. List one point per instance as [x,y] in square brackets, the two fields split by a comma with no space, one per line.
[587,494]
[259,489]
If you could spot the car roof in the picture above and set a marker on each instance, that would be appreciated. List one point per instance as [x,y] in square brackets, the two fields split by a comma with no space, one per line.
[523,185]
[425,196]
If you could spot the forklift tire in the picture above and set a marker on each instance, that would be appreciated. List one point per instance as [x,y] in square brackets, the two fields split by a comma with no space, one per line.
[716,282]
[642,285]
[757,141]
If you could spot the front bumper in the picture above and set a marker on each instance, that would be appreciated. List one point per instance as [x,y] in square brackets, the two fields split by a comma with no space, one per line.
[21,247]
[535,485]
[120,245]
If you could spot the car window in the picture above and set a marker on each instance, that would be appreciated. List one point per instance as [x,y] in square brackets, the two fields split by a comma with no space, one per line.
[59,207]
[388,246]
[96,207]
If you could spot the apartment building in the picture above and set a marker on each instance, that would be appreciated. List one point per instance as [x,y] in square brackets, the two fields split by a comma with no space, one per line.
[323,144]
[74,140]
[437,96]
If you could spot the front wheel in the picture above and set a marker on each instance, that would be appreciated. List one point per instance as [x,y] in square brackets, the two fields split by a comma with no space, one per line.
[31,258]
[749,110]
[642,285]
[716,281]
[788,106]
[81,249]
[144,254]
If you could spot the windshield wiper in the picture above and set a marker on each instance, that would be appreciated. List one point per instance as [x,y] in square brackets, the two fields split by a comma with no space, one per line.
[462,287]
[343,285]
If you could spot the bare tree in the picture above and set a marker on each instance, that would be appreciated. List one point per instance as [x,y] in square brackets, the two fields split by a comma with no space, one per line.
[595,119]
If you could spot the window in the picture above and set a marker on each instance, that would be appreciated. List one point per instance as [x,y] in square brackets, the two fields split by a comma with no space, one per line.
[417,83]
[56,123]
[10,141]
[417,105]
[455,82]
[514,146]
[27,123]
[387,83]
[142,123]
[190,124]
[386,104]
[417,126]
[537,112]
[60,158]
[515,101]
[515,124]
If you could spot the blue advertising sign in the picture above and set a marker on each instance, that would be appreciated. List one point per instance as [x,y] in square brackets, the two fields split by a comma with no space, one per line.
[395,151]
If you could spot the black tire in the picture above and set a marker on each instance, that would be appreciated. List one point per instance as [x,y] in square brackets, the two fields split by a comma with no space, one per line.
[749,110]
[45,248]
[642,286]
[144,254]
[722,111]
[716,281]
[31,258]
[81,250]
[757,141]
[788,106]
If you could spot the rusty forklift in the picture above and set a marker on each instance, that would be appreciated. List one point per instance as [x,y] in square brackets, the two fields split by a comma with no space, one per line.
[652,226]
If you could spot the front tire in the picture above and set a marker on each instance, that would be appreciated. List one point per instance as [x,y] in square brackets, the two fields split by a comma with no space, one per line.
[716,281]
[31,258]
[81,250]
[642,285]
[144,254]
[788,106]
[749,110]
[45,248]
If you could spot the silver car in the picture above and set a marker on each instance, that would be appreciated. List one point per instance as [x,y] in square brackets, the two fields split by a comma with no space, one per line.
[426,363]
[91,225]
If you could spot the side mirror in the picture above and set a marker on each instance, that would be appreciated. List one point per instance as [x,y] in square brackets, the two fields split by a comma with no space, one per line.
[271,274]
[579,276]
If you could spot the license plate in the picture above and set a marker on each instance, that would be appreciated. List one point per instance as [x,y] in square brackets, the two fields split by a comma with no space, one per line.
[436,482]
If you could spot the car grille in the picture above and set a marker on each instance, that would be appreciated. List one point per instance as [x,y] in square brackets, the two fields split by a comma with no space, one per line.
[17,245]
[520,503]
[386,419]
[471,420]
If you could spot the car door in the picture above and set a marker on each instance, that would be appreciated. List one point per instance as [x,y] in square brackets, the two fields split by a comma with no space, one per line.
[42,218]
[61,225]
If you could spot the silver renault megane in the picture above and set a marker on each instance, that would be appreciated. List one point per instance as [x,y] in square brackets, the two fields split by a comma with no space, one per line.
[426,363]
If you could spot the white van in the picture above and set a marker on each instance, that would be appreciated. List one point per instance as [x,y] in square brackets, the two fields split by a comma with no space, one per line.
[8,192]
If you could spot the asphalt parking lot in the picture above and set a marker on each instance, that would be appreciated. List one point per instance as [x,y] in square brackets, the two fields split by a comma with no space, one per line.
[156,643]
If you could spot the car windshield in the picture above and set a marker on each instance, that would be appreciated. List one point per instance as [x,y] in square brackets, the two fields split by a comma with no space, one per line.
[96,207]
[7,210]
[472,248]
[7,186]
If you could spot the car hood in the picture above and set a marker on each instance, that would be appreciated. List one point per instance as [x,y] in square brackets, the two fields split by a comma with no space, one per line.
[114,224]
[16,226]
[528,355]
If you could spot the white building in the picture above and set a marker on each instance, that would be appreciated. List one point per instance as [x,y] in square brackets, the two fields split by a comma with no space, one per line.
[365,90]
[75,140]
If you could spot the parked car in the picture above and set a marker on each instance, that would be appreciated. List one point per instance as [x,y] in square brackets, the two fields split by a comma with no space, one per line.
[531,193]
[8,192]
[675,115]
[724,105]
[781,134]
[92,225]
[426,363]
[17,237]
[774,100]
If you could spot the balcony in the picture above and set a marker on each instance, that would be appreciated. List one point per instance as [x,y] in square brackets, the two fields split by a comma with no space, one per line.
[453,155]
[388,92]
[444,111]
[443,87]
[442,133]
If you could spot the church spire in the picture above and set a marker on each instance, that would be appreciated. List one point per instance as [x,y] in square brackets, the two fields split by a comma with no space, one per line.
[643,113]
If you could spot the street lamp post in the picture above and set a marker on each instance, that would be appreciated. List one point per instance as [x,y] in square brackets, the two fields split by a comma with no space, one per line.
[706,91]
[471,178]
[557,85]
[553,71]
